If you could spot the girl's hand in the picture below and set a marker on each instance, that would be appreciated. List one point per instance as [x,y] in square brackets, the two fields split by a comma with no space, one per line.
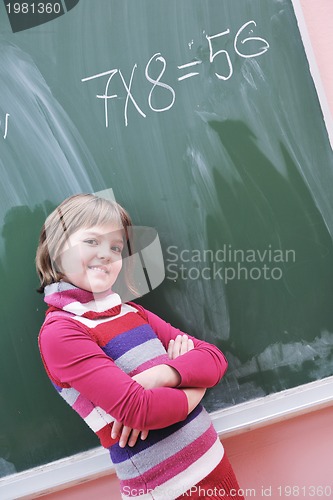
[158,376]
[179,346]
[126,434]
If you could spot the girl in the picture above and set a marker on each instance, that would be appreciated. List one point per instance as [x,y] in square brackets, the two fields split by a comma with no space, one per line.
[136,380]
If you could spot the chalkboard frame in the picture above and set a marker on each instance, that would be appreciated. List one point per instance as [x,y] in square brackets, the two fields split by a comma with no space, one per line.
[314,70]
[231,421]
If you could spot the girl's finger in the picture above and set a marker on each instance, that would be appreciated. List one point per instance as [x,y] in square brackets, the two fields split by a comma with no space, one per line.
[116,429]
[126,431]
[183,345]
[190,345]
[177,346]
[133,437]
[170,349]
[144,434]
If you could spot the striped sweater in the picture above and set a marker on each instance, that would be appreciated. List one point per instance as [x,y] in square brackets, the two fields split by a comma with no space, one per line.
[92,348]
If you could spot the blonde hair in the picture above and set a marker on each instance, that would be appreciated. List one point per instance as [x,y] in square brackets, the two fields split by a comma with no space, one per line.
[74,213]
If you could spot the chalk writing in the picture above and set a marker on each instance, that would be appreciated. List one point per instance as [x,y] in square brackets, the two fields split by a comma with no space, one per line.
[158,83]
[249,39]
[191,69]
[212,55]
[188,65]
[5,126]
[129,94]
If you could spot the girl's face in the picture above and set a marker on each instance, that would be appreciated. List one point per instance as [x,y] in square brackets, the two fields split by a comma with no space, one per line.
[91,258]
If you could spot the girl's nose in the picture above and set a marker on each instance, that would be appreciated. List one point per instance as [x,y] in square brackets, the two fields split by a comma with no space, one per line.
[104,251]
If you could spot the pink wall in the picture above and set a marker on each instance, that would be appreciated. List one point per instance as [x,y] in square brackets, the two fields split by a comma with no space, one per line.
[294,453]
[297,452]
[319,20]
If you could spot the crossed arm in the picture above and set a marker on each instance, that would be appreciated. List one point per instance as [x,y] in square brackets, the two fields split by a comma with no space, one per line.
[160,376]
[153,399]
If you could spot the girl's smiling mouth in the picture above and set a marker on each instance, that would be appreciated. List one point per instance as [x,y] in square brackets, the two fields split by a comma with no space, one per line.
[101,269]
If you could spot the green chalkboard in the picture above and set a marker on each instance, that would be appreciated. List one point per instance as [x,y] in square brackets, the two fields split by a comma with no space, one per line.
[203,118]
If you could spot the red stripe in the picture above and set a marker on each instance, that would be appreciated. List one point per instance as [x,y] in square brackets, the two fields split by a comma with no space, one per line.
[53,309]
[104,332]
[113,311]
[104,435]
[220,483]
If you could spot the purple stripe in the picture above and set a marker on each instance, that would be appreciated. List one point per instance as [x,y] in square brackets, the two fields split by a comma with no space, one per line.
[124,342]
[57,387]
[119,455]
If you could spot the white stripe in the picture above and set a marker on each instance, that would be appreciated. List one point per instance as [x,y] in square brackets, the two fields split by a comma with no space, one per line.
[134,358]
[70,395]
[179,484]
[97,419]
[107,417]
[59,286]
[99,305]
[92,323]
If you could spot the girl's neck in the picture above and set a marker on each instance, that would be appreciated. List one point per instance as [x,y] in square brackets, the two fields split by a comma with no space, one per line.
[70,298]
[94,295]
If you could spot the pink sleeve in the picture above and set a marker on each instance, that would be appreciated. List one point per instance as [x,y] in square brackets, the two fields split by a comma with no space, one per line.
[204,366]
[72,357]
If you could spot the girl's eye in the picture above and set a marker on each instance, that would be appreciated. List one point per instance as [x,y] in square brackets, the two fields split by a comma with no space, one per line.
[116,249]
[90,242]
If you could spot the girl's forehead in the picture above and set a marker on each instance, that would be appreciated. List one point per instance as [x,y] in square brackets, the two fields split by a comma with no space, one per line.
[108,229]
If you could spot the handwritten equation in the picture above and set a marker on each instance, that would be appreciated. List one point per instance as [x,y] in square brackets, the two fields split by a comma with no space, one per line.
[191,69]
[5,126]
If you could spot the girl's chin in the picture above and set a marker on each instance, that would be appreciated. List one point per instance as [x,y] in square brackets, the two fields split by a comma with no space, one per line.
[95,287]
[98,289]
[99,292]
